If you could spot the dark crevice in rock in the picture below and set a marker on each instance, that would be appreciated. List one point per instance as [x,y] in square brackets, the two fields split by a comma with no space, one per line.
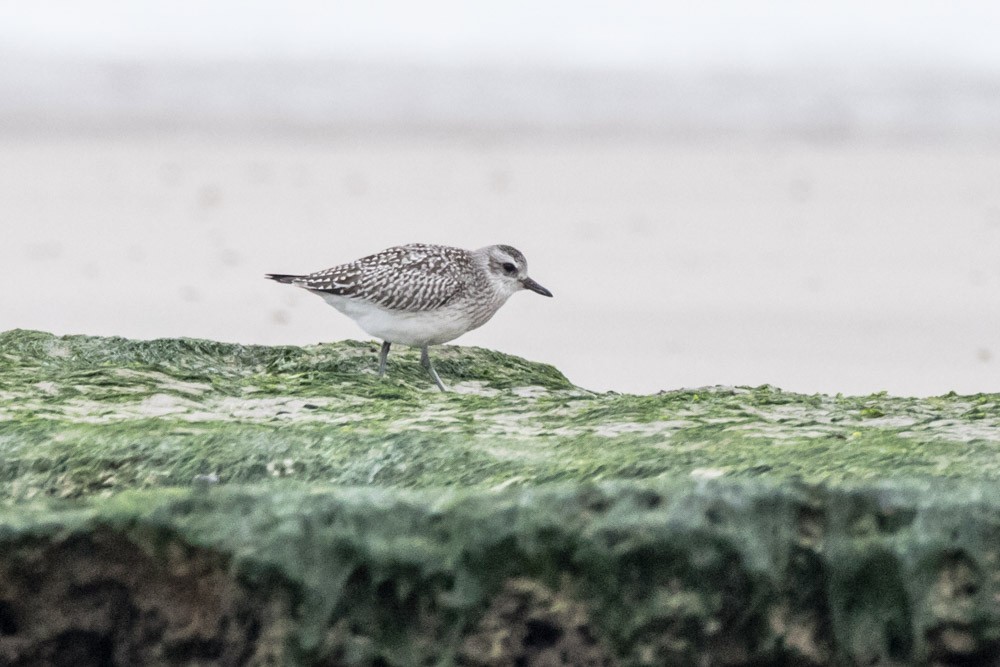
[9,623]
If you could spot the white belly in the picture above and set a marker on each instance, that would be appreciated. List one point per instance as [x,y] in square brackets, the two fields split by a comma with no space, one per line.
[407,328]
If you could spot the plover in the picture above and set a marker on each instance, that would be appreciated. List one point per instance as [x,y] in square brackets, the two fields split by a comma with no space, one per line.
[421,294]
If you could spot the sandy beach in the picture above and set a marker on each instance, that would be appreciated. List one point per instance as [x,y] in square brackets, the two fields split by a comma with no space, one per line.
[816,268]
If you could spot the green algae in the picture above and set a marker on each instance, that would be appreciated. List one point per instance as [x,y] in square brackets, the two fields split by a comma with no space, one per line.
[632,573]
[518,520]
[84,415]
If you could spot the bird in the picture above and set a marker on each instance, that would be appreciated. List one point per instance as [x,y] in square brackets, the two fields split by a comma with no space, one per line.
[420,294]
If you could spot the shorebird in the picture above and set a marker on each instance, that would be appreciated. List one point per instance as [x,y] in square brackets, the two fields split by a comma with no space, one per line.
[419,294]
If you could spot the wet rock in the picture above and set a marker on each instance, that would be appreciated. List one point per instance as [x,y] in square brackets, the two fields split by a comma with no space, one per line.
[711,573]
[339,519]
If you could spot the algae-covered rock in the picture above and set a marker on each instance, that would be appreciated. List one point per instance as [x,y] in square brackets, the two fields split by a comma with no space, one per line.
[627,573]
[193,502]
[82,415]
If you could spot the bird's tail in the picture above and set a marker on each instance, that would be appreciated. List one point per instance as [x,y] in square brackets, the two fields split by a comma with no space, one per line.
[281,277]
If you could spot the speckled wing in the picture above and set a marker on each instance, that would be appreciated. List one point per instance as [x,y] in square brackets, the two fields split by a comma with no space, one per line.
[414,277]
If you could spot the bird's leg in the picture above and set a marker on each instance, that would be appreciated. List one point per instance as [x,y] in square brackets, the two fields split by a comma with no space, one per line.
[382,357]
[425,361]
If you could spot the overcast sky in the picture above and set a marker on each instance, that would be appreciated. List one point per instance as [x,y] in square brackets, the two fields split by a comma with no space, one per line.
[558,32]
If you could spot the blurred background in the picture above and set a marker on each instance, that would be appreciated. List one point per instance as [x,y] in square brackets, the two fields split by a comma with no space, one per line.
[801,194]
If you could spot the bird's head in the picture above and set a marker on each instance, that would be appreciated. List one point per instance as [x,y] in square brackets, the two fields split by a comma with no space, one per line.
[508,269]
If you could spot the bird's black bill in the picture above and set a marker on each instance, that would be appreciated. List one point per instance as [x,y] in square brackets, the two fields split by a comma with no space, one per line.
[535,287]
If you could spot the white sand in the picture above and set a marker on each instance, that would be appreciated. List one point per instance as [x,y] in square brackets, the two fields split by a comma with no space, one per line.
[833,269]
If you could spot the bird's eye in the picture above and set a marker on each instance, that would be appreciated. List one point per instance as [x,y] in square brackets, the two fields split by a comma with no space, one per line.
[509,268]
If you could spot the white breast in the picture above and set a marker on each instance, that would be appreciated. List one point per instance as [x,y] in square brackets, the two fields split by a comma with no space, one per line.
[417,328]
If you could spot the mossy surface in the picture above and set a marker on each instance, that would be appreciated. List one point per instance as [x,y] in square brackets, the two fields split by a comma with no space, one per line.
[83,415]
[630,573]
[192,502]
